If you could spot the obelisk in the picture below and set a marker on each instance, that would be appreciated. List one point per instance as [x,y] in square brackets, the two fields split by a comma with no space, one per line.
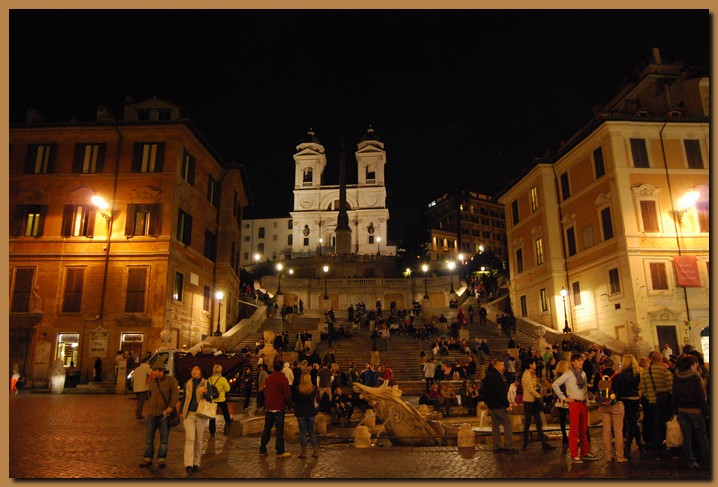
[343,232]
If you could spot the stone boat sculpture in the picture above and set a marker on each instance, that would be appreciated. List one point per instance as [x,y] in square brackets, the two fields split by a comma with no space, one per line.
[402,422]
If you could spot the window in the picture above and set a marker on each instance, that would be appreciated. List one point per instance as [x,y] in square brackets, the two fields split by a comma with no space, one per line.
[143,220]
[78,221]
[606,223]
[544,300]
[639,153]
[213,191]
[206,298]
[260,248]
[571,241]
[587,233]
[290,224]
[290,239]
[30,220]
[614,282]
[659,281]
[72,296]
[40,158]
[539,251]
[371,239]
[89,158]
[184,227]
[519,260]
[524,308]
[515,211]
[565,188]
[135,297]
[598,166]
[188,164]
[246,256]
[308,176]
[534,198]
[148,157]
[370,174]
[22,292]
[703,216]
[693,154]
[576,288]
[306,242]
[260,232]
[178,287]
[649,216]
[210,245]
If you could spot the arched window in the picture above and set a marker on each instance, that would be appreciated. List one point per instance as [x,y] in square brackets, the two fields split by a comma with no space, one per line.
[370,173]
[308,176]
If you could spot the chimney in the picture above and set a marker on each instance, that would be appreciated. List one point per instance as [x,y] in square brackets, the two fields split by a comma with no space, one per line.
[33,116]
[656,55]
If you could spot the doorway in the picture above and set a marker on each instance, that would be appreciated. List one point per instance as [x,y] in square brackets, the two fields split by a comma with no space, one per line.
[132,342]
[667,334]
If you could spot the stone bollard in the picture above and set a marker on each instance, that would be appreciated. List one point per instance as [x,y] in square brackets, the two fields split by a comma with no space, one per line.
[320,424]
[465,437]
[362,438]
[56,377]
[291,429]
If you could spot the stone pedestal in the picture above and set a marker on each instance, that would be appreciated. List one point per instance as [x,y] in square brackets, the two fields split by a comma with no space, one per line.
[120,384]
[320,424]
[291,429]
[465,437]
[56,377]
[362,438]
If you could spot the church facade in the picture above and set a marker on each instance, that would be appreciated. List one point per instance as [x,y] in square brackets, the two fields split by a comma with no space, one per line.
[316,205]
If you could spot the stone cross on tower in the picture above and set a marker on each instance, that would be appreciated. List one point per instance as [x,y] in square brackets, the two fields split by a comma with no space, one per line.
[343,232]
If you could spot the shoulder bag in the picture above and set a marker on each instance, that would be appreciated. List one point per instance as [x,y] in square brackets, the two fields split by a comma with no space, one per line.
[173,417]
[663,399]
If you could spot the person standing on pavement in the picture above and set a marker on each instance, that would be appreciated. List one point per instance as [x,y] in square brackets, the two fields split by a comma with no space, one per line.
[247,379]
[221,386]
[140,386]
[533,404]
[577,398]
[196,389]
[689,402]
[626,385]
[429,371]
[277,397]
[164,396]
[306,413]
[261,380]
[656,381]
[493,390]
[562,406]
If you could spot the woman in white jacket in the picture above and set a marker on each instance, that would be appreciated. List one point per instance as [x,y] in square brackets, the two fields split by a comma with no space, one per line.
[195,390]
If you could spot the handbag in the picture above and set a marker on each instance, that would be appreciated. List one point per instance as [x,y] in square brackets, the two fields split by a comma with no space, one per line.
[173,417]
[674,435]
[207,410]
[215,391]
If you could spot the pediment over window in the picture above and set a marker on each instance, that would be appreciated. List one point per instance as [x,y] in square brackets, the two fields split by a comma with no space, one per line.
[568,220]
[646,191]
[602,199]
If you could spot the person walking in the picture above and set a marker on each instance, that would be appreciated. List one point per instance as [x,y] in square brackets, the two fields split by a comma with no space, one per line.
[164,398]
[247,379]
[221,387]
[577,398]
[196,389]
[656,382]
[306,413]
[495,395]
[277,397]
[690,404]
[626,385]
[533,404]
[140,386]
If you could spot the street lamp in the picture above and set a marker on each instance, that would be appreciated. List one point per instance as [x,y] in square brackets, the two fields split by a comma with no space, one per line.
[566,328]
[325,269]
[279,282]
[219,295]
[378,239]
[451,265]
[256,258]
[461,258]
[321,242]
[685,203]
[425,269]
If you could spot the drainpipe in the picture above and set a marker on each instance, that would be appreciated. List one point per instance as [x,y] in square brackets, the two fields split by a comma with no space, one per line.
[216,257]
[563,239]
[110,223]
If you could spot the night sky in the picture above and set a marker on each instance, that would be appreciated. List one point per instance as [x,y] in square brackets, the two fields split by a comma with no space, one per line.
[460,98]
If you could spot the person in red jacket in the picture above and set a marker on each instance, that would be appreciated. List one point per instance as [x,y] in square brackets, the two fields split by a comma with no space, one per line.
[277,397]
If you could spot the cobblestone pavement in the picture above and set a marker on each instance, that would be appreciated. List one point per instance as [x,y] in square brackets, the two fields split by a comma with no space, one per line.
[96,436]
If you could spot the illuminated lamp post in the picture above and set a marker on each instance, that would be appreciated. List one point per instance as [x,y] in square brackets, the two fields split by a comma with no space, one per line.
[325,269]
[218,296]
[566,328]
[451,265]
[279,282]
[378,240]
[425,269]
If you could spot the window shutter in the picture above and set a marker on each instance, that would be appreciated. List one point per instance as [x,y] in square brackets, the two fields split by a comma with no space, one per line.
[79,158]
[155,220]
[52,158]
[91,220]
[160,157]
[67,215]
[190,178]
[22,290]
[130,220]
[18,220]
[41,223]
[137,157]
[30,159]
[100,158]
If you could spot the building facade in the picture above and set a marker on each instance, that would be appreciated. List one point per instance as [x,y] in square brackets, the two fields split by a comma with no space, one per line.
[266,238]
[120,229]
[607,220]
[465,223]
[316,205]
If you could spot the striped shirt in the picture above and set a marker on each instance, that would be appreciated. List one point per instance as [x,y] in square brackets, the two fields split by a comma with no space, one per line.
[662,377]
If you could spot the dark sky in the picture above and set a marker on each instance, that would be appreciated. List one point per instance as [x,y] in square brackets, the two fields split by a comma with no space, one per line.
[463,98]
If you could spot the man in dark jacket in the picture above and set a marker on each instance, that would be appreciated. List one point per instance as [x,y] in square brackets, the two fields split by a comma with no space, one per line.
[690,404]
[495,395]
[164,396]
[277,397]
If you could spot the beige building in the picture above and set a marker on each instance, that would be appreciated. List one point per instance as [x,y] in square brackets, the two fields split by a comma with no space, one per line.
[266,238]
[120,229]
[619,219]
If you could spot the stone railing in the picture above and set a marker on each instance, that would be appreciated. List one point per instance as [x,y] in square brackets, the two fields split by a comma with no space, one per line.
[238,332]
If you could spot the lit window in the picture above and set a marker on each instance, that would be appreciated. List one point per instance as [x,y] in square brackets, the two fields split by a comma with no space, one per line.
[544,300]
[148,157]
[178,287]
[534,198]
[40,158]
[539,251]
[89,158]
[78,221]
[143,220]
